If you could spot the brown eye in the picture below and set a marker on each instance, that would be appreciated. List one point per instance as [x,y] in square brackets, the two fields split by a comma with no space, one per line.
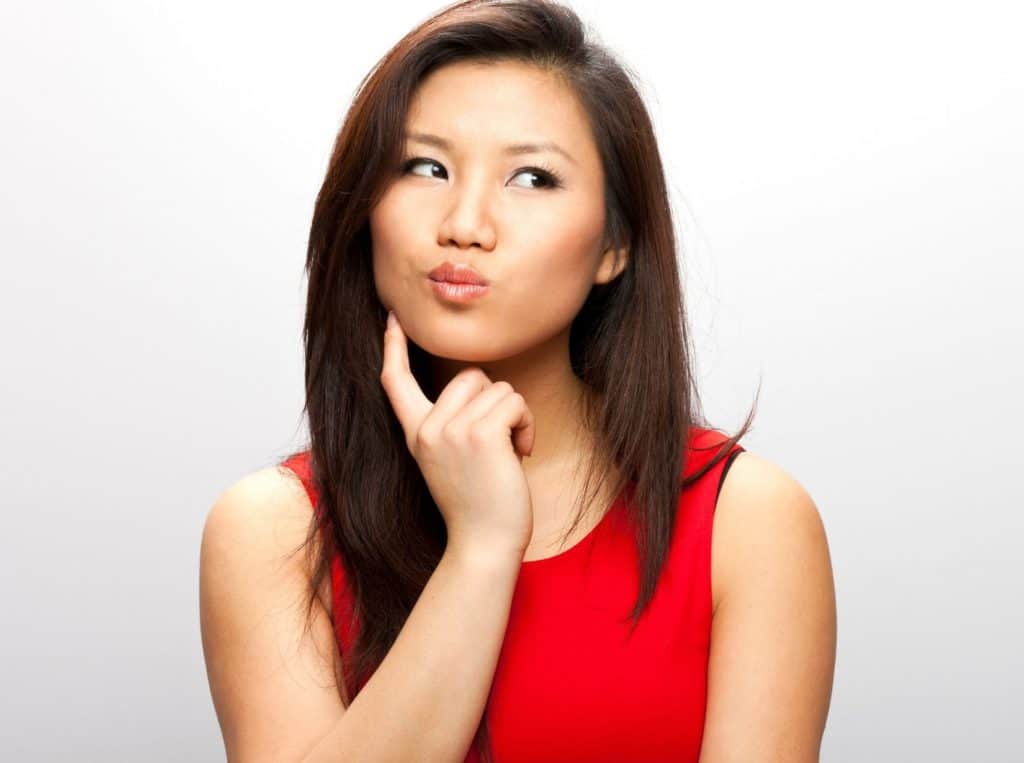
[407,166]
[547,179]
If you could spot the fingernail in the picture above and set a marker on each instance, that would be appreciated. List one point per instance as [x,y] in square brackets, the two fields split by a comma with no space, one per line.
[391,319]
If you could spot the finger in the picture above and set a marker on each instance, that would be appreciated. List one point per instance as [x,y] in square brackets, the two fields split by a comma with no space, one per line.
[406,396]
[513,416]
[458,393]
[481,404]
[481,407]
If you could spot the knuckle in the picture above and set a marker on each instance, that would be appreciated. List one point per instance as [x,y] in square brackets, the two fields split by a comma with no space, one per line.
[479,433]
[450,433]
[426,438]
[504,386]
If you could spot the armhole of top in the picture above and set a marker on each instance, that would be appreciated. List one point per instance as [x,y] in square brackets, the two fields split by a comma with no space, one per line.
[340,605]
[725,470]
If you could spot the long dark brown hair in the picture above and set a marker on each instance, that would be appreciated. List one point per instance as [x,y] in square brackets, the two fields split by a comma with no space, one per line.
[629,343]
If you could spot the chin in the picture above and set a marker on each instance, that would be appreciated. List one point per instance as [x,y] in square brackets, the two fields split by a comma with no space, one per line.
[461,352]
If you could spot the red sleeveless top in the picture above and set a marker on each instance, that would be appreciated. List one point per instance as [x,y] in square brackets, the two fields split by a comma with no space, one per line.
[570,682]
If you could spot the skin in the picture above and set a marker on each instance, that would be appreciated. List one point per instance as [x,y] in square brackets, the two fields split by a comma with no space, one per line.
[773,639]
[539,246]
[773,629]
[773,634]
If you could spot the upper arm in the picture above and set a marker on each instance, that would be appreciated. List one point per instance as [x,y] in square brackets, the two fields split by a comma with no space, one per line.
[272,683]
[773,634]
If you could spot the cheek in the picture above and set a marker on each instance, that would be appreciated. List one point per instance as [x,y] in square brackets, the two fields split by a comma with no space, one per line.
[386,246]
[564,254]
[548,294]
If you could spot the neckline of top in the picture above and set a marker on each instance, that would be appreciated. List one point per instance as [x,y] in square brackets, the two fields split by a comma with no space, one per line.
[579,546]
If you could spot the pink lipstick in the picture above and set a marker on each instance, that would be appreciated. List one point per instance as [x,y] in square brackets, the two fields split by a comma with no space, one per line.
[458,283]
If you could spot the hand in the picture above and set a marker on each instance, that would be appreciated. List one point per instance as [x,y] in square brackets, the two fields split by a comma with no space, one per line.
[469,446]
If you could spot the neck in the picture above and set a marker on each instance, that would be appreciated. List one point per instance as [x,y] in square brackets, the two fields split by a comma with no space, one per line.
[554,394]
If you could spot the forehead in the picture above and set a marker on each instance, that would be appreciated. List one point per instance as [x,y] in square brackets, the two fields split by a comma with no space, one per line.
[485,104]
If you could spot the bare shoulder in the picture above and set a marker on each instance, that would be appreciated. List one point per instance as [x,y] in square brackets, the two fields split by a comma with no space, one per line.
[773,629]
[760,504]
[267,509]
[272,679]
[264,510]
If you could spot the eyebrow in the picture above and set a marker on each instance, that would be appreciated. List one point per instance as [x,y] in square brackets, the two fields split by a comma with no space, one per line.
[512,149]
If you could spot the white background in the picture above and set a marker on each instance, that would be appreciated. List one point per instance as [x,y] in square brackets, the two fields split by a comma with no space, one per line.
[847,180]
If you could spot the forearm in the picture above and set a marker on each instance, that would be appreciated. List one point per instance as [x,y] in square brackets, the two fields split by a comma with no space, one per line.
[425,700]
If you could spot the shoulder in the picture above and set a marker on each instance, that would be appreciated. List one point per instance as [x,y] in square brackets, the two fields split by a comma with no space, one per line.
[773,628]
[763,516]
[272,660]
[264,517]
[262,503]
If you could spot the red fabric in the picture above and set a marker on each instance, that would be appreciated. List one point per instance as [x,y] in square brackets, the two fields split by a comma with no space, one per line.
[570,683]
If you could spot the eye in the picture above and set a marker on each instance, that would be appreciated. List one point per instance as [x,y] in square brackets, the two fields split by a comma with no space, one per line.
[408,165]
[547,176]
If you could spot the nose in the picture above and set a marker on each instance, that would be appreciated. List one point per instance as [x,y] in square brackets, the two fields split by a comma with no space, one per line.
[468,221]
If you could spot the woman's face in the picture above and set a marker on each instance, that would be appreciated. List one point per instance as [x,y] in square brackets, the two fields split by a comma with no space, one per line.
[529,221]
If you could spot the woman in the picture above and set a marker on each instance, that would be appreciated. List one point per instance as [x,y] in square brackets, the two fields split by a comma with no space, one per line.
[494,310]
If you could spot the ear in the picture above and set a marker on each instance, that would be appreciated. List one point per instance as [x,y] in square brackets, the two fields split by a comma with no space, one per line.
[613,262]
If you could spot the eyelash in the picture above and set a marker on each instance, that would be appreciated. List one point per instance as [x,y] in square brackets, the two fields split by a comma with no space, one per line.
[552,177]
